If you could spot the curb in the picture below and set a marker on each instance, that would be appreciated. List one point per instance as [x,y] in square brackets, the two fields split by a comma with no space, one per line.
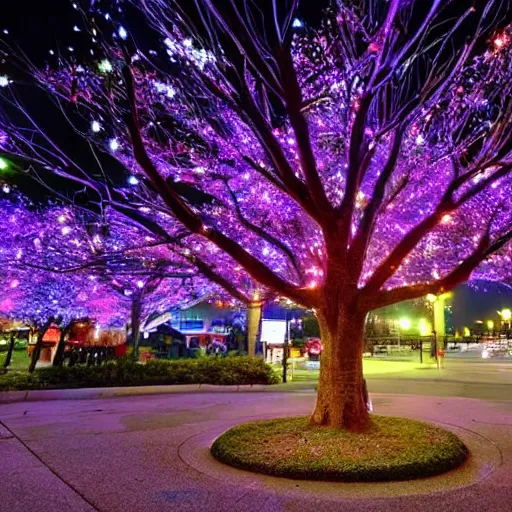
[99,393]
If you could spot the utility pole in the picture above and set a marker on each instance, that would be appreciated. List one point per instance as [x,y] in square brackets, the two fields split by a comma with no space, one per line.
[285,348]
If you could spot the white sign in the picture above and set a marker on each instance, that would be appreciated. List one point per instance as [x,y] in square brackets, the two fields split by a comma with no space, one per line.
[273,331]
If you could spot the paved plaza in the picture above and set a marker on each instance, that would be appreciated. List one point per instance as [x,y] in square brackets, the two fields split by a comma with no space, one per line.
[149,452]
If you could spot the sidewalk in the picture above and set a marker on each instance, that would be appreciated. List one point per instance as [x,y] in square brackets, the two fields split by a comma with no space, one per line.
[150,453]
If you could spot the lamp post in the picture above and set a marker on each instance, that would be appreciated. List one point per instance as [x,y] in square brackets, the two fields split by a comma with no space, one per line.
[285,347]
[506,316]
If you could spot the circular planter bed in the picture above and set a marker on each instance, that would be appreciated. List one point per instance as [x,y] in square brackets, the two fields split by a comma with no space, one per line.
[391,449]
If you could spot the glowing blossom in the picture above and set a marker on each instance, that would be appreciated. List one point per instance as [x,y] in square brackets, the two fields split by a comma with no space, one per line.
[95,126]
[105,66]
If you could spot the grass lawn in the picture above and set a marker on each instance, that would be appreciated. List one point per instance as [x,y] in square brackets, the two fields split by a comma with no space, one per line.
[372,368]
[19,361]
[391,449]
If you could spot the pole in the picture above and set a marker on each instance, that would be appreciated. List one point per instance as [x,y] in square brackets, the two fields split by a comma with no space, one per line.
[285,349]
[253,325]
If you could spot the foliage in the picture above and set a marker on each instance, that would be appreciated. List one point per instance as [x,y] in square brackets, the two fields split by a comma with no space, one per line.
[310,327]
[391,449]
[263,154]
[125,372]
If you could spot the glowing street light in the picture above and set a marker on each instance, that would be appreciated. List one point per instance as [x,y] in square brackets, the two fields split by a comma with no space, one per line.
[431,298]
[424,327]
[490,325]
[4,164]
[404,323]
[505,314]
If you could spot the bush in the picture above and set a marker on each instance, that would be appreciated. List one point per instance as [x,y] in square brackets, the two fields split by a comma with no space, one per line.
[125,372]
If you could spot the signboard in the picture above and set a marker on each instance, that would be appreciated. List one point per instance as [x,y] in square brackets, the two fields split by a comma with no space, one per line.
[273,331]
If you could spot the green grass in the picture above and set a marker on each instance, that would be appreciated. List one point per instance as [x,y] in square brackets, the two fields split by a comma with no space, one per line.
[372,368]
[391,449]
[19,360]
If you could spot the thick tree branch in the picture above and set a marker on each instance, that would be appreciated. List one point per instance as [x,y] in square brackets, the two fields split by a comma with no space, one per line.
[359,245]
[193,222]
[460,274]
[209,272]
[293,101]
[266,236]
[295,188]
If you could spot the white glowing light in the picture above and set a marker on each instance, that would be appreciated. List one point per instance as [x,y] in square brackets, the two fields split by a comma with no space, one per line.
[4,81]
[140,284]
[95,126]
[122,33]
[65,230]
[6,189]
[265,251]
[76,29]
[113,144]
[105,66]
[132,180]
[61,219]
[420,140]
[297,23]
[164,88]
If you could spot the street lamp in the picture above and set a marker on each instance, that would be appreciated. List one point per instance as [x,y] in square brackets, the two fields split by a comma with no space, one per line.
[506,315]
[4,165]
[424,327]
[403,324]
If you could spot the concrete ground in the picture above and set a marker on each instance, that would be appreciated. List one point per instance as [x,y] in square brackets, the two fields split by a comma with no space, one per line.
[150,453]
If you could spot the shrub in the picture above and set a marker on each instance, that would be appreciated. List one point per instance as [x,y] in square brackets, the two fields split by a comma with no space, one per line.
[125,372]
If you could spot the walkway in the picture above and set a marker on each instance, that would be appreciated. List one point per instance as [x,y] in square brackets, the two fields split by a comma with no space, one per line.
[150,453]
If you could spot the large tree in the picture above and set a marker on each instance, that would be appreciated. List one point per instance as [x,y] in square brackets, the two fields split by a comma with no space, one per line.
[346,168]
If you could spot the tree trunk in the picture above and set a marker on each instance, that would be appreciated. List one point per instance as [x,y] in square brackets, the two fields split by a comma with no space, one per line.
[253,326]
[340,401]
[10,350]
[39,343]
[136,313]
[58,360]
